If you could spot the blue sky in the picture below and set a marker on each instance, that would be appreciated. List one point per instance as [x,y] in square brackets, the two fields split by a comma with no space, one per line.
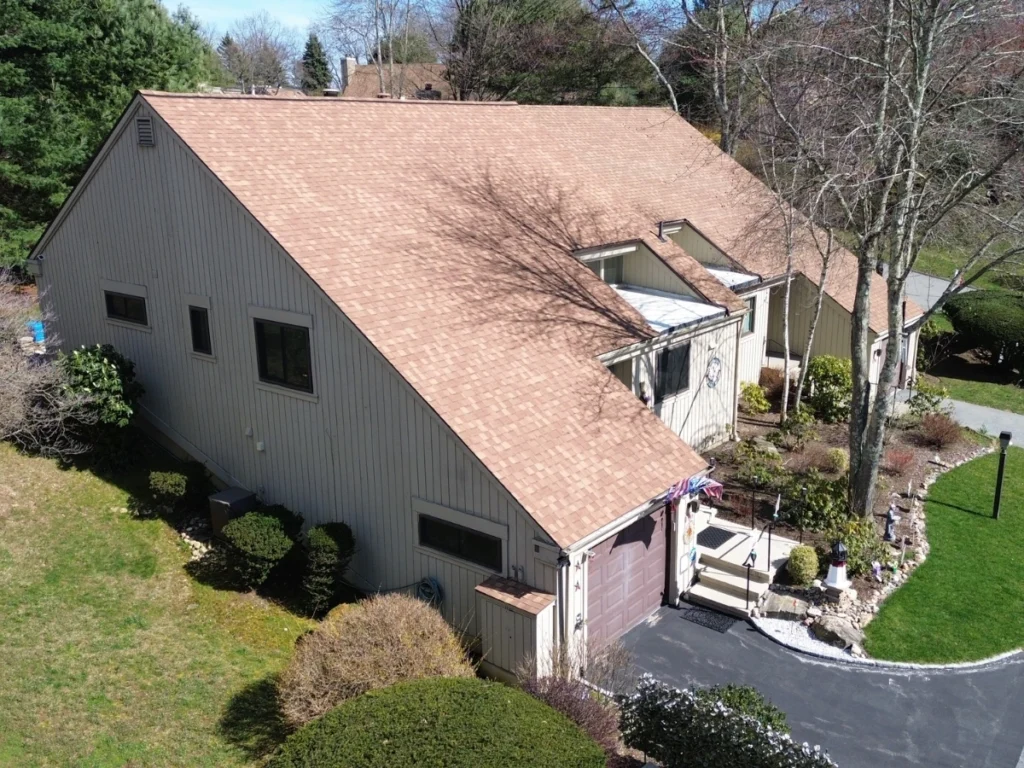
[220,14]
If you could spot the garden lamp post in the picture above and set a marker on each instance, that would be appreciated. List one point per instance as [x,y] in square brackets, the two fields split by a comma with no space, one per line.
[1004,443]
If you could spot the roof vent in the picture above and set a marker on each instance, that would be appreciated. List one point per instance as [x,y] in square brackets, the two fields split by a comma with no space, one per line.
[144,129]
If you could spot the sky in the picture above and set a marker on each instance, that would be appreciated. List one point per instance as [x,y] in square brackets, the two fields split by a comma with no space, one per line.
[221,14]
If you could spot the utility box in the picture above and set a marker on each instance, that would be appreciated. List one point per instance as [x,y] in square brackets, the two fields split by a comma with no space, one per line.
[228,504]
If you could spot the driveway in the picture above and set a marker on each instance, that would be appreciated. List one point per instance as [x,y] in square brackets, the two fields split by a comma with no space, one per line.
[925,290]
[866,718]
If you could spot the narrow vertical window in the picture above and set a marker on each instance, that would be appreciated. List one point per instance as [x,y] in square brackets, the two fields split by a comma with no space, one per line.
[199,320]
[748,319]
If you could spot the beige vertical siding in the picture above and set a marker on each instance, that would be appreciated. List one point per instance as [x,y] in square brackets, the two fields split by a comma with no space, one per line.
[752,346]
[699,248]
[359,451]
[508,636]
[703,414]
[645,270]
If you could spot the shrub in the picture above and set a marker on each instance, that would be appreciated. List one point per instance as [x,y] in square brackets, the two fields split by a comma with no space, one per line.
[797,429]
[991,322]
[379,642]
[168,487]
[679,728]
[570,696]
[832,382]
[837,460]
[329,550]
[803,565]
[107,379]
[752,399]
[747,700]
[817,503]
[772,381]
[459,723]
[933,345]
[927,398]
[863,544]
[291,522]
[757,468]
[898,461]
[258,542]
[939,430]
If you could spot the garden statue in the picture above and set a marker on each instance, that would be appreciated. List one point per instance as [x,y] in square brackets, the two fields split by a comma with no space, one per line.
[890,522]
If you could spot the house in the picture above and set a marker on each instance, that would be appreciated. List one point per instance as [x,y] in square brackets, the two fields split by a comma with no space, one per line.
[484,335]
[405,81]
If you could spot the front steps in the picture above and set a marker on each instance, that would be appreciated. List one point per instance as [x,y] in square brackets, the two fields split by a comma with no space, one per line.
[721,573]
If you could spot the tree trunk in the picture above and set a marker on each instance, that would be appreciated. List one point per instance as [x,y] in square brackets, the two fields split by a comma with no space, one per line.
[863,471]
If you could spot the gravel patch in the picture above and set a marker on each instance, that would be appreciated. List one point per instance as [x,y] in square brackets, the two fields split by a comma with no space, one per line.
[796,635]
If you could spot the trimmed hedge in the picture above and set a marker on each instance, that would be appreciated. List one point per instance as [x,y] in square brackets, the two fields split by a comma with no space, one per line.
[259,542]
[747,700]
[451,722]
[991,321]
[684,729]
[329,550]
[803,564]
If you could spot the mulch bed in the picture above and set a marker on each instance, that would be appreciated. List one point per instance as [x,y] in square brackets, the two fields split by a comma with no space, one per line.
[737,501]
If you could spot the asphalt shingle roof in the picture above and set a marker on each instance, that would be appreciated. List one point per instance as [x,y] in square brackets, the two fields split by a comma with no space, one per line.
[445,232]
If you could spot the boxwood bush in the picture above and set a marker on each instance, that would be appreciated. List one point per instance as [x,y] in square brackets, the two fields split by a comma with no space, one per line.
[452,722]
[329,550]
[687,729]
[802,565]
[258,542]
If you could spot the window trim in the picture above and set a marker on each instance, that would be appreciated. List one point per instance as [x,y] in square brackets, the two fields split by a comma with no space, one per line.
[660,397]
[283,317]
[751,302]
[464,520]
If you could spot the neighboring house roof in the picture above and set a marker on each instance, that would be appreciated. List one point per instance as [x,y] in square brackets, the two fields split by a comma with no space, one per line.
[409,81]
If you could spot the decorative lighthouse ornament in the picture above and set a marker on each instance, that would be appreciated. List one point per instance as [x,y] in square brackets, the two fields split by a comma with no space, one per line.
[836,578]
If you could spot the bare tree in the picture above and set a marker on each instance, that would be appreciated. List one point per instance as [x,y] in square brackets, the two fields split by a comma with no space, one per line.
[260,53]
[37,413]
[909,114]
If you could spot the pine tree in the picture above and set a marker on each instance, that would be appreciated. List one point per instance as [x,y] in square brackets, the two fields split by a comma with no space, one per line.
[316,74]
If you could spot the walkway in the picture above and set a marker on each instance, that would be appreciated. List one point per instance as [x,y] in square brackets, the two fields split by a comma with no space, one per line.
[866,718]
[981,418]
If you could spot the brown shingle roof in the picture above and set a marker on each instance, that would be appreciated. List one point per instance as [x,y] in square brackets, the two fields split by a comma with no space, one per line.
[516,594]
[408,80]
[445,230]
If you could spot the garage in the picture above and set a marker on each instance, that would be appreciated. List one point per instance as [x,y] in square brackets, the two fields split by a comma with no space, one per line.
[627,576]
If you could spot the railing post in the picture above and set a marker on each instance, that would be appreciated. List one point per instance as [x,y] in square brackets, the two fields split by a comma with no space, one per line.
[747,594]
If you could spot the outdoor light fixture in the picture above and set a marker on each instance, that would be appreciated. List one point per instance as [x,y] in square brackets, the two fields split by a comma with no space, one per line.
[1004,442]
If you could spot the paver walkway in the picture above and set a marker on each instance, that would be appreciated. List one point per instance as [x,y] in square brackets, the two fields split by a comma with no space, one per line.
[866,718]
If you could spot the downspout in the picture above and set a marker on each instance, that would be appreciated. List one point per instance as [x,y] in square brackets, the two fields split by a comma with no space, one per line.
[560,592]
[736,381]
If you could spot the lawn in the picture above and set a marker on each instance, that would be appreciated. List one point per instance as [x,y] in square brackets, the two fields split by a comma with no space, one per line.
[943,261]
[966,602]
[111,654]
[1006,397]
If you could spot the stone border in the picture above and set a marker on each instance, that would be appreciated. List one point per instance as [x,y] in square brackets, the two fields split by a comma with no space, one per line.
[882,664]
[918,521]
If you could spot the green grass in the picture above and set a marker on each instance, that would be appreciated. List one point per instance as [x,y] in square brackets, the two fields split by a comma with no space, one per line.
[966,601]
[109,652]
[1006,397]
[943,261]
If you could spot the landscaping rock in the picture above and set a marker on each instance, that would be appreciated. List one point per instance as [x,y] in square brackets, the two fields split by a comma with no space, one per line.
[814,612]
[765,446]
[837,631]
[785,607]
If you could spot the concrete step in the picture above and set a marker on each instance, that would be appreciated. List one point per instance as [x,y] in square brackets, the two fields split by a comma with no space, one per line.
[732,583]
[702,594]
[721,564]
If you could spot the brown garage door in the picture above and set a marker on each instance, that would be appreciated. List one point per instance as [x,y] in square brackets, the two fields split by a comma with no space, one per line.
[626,578]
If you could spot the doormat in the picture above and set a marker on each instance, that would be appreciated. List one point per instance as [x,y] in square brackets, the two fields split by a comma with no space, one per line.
[713,537]
[707,618]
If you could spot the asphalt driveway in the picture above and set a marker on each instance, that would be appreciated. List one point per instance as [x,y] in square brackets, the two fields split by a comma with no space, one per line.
[866,718]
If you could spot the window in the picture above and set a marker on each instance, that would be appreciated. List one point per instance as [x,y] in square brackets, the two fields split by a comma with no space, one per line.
[199,320]
[282,355]
[748,319]
[673,372]
[460,542]
[609,270]
[129,309]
